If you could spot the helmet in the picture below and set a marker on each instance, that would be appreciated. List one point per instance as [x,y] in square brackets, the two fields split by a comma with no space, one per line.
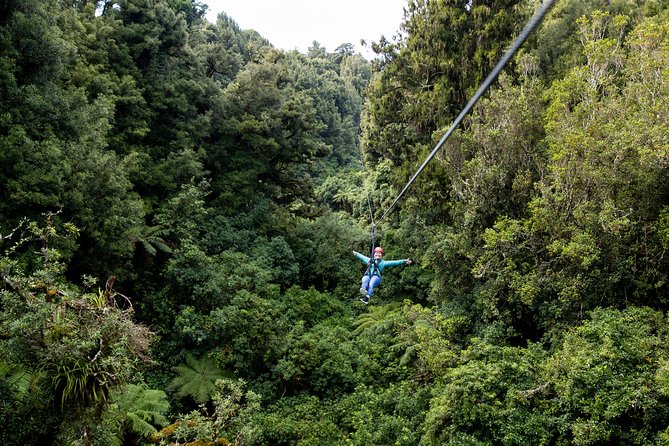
[378,249]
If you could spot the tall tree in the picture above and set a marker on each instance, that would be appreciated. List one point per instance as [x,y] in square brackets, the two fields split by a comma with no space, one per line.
[594,232]
[448,48]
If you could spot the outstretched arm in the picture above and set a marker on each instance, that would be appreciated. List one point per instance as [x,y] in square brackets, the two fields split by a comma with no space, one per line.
[362,258]
[398,262]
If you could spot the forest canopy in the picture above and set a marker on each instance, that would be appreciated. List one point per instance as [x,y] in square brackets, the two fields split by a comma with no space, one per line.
[179,201]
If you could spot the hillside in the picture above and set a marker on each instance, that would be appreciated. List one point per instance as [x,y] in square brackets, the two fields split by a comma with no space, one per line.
[179,203]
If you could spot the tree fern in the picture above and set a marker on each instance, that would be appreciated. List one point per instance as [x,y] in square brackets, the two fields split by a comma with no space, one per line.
[134,411]
[196,378]
[152,241]
[144,409]
[377,316]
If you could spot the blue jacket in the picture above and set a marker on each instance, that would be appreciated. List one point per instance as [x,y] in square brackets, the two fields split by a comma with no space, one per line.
[373,270]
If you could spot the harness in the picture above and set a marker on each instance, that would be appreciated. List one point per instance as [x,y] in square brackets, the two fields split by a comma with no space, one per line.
[373,267]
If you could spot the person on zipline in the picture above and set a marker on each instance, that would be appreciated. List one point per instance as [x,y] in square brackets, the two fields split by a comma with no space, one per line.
[372,277]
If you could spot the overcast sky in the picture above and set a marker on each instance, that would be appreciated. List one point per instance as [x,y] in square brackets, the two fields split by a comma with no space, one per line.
[295,24]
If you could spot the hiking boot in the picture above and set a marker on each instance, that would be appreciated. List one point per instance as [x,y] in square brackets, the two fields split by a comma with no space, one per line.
[365,300]
[363,291]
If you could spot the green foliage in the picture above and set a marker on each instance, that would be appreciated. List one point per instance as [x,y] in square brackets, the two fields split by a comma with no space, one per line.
[62,159]
[64,347]
[299,420]
[594,215]
[391,415]
[603,377]
[24,402]
[145,408]
[277,257]
[356,71]
[323,250]
[449,48]
[481,400]
[132,414]
[310,306]
[558,46]
[322,360]
[598,387]
[180,219]
[196,379]
[228,424]
[273,128]
[219,179]
[495,164]
[246,330]
[192,10]
[384,358]
[431,339]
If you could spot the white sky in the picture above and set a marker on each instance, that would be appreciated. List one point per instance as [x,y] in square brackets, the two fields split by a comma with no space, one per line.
[295,24]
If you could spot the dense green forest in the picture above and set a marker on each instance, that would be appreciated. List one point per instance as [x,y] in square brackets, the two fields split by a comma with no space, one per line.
[179,201]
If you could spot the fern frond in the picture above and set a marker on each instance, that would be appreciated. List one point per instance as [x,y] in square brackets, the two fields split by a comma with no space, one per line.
[377,316]
[149,248]
[22,380]
[143,409]
[196,378]
[138,425]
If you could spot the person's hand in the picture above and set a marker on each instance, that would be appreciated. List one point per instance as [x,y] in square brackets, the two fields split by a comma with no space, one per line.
[409,262]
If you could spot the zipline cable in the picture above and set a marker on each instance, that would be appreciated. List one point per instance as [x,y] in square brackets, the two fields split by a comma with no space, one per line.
[369,202]
[484,86]
[371,217]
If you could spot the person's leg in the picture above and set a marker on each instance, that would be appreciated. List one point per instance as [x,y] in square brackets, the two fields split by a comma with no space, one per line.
[373,283]
[364,285]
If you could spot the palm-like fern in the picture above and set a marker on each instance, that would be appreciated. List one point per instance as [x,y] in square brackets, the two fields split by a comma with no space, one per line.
[196,378]
[152,241]
[377,316]
[20,379]
[383,318]
[144,409]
